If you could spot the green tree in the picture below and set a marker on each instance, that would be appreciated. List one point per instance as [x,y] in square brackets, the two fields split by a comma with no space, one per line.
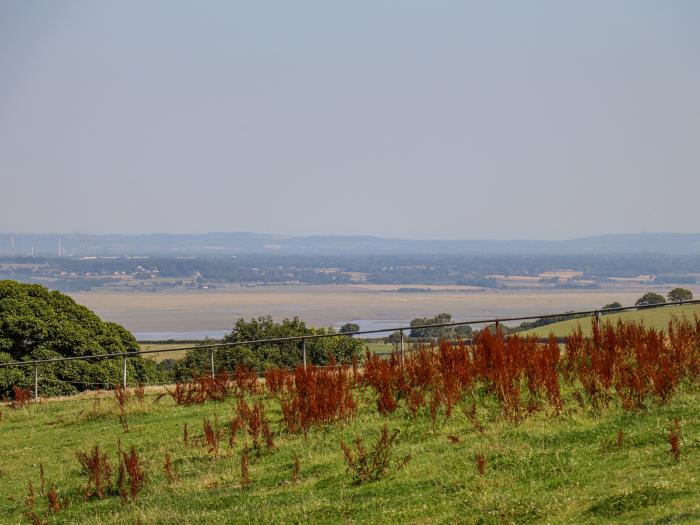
[446,332]
[277,354]
[348,328]
[612,305]
[394,338]
[650,298]
[679,294]
[38,324]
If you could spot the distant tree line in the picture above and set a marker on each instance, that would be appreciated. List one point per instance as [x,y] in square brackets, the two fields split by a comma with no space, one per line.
[385,269]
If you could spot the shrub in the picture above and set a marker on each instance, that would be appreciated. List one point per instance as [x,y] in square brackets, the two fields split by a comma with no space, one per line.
[99,472]
[21,397]
[481,464]
[212,435]
[36,323]
[316,396]
[168,468]
[295,469]
[133,464]
[373,465]
[674,439]
[55,504]
[245,473]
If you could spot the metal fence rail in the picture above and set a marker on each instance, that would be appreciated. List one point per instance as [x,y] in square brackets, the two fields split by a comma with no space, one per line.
[303,338]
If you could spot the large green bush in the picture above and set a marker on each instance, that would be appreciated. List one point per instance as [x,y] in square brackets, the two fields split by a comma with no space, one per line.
[36,323]
[283,354]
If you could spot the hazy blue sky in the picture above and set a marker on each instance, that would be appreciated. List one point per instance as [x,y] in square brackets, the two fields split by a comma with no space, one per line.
[413,119]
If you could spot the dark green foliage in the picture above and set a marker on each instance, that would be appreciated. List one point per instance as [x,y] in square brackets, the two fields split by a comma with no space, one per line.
[544,321]
[38,324]
[446,332]
[612,305]
[650,298]
[679,294]
[260,356]
[348,328]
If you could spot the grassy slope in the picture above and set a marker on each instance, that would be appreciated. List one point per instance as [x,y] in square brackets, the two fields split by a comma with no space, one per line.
[656,317]
[547,469]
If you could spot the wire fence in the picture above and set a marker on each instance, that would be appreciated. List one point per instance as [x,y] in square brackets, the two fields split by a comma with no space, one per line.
[401,345]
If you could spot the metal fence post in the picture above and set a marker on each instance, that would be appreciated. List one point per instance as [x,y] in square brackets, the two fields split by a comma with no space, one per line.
[597,320]
[401,346]
[124,373]
[211,360]
[498,326]
[36,383]
[303,351]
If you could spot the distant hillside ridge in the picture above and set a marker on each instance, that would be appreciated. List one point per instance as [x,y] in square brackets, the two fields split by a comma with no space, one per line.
[255,243]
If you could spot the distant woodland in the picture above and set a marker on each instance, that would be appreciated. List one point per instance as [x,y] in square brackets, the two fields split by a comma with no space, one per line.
[487,271]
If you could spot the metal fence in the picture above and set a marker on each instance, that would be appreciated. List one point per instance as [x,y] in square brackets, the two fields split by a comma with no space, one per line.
[304,338]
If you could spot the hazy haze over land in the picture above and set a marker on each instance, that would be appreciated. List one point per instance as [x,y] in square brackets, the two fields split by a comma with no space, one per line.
[545,120]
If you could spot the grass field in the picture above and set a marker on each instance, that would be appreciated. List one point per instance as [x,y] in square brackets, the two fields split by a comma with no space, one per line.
[657,318]
[178,354]
[545,470]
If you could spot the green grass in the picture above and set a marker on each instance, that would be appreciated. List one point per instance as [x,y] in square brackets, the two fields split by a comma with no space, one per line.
[545,470]
[378,347]
[178,354]
[657,318]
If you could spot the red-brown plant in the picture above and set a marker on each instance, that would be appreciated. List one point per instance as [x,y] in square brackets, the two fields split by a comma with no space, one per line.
[295,469]
[30,500]
[22,397]
[481,463]
[140,392]
[674,439]
[169,469]
[317,396]
[276,380]
[96,466]
[55,504]
[42,477]
[121,396]
[135,470]
[245,472]
[212,436]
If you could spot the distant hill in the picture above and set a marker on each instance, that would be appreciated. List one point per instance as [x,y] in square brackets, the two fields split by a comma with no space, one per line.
[656,318]
[238,243]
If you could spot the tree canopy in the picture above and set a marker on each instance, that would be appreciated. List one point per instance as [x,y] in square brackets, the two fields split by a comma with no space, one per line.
[36,323]
[679,294]
[279,354]
[446,332]
[612,305]
[650,298]
[348,328]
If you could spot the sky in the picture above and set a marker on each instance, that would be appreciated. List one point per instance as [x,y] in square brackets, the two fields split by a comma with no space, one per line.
[421,120]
